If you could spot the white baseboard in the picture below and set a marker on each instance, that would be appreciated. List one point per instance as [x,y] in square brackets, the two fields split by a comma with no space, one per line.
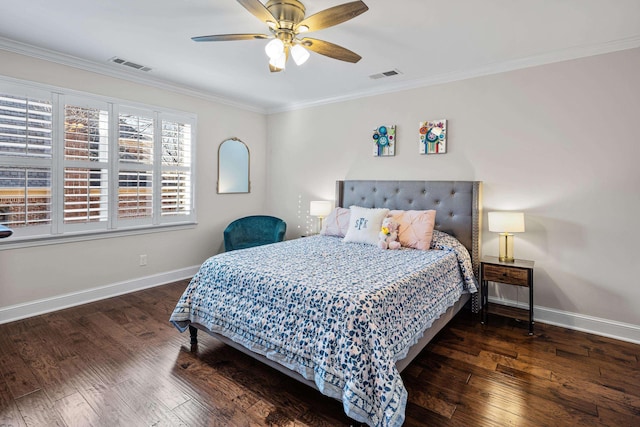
[59,302]
[579,322]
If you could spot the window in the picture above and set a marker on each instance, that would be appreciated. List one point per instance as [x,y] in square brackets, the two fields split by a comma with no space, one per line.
[86,165]
[26,154]
[76,163]
[136,163]
[175,169]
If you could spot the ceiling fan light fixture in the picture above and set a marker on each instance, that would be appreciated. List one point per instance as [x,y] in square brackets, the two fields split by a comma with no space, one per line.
[279,61]
[287,19]
[274,48]
[299,54]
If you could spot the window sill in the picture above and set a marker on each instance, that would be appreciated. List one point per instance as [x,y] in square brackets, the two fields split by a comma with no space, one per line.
[27,242]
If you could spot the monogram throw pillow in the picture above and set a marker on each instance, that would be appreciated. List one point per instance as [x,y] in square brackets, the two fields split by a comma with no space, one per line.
[364,225]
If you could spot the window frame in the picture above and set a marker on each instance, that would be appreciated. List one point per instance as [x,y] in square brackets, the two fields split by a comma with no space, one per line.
[57,231]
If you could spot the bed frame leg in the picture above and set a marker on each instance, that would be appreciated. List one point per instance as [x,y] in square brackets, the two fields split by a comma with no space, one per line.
[193,332]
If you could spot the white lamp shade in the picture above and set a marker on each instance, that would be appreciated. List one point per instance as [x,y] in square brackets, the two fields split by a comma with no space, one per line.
[274,48]
[320,208]
[279,61]
[506,222]
[299,54]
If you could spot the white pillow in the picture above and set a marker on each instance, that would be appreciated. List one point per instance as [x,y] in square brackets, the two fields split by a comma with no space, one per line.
[364,225]
[336,223]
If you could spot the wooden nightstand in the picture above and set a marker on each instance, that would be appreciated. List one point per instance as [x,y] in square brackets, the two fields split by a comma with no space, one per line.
[517,273]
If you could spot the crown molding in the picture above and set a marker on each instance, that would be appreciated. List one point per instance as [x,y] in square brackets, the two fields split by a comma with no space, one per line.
[105,69]
[496,68]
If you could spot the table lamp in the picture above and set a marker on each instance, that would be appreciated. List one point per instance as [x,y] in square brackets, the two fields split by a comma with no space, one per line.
[320,208]
[506,223]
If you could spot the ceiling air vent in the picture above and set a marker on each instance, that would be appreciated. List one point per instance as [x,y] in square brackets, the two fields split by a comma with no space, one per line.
[382,75]
[126,63]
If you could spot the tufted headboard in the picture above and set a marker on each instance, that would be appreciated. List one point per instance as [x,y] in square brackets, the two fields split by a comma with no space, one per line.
[458,204]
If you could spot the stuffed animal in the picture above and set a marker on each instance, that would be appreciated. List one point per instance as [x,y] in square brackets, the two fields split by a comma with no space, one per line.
[388,236]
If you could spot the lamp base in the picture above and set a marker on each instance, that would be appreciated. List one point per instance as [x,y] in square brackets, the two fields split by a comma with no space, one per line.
[506,247]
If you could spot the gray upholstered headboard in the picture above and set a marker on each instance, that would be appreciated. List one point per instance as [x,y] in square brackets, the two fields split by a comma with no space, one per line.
[458,204]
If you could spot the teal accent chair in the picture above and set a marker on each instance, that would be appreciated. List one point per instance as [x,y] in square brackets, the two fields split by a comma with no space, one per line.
[255,230]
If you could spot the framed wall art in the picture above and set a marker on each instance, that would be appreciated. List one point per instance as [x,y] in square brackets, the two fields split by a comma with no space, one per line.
[433,137]
[384,140]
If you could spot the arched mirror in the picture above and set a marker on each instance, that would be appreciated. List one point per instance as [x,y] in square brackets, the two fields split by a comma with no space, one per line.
[233,167]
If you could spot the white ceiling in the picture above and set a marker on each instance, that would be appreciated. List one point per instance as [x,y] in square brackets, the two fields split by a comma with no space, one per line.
[428,41]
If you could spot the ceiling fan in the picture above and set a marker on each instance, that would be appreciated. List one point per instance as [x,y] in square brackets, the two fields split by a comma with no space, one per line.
[286,20]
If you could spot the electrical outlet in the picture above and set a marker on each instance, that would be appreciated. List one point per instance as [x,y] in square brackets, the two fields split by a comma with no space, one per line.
[143,260]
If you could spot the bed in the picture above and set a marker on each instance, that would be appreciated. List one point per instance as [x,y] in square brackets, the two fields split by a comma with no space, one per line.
[345,318]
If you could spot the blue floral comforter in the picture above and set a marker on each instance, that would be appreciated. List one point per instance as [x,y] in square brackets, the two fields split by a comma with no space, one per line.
[340,314]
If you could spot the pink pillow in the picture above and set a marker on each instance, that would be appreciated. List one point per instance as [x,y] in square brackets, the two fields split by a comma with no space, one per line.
[416,228]
[336,223]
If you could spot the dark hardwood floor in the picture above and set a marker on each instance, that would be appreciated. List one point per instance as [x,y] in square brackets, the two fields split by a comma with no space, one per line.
[119,362]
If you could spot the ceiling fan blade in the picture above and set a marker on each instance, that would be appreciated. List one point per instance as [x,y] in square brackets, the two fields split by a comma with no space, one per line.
[333,16]
[229,37]
[258,10]
[331,50]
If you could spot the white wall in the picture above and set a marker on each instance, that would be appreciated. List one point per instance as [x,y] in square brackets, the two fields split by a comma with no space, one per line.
[53,273]
[559,142]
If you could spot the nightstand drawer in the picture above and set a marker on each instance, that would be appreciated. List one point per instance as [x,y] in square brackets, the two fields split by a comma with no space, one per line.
[510,275]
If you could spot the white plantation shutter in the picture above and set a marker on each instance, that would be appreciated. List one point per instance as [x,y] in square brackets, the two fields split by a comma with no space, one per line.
[176,168]
[135,195]
[78,163]
[25,196]
[25,127]
[86,133]
[136,138]
[86,165]
[25,161]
